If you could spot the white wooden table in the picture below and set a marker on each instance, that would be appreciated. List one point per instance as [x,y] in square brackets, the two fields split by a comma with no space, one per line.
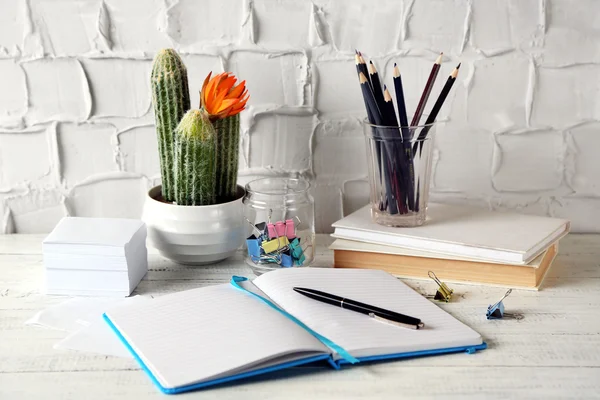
[554,352]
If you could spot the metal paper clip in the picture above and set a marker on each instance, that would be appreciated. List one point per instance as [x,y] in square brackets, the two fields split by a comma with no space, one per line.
[254,241]
[266,259]
[255,231]
[443,293]
[496,311]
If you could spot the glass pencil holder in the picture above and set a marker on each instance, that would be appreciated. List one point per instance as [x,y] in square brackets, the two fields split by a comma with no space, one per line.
[399,162]
[280,222]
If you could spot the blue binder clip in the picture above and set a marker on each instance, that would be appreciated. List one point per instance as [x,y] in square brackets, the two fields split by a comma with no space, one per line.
[253,244]
[286,259]
[496,311]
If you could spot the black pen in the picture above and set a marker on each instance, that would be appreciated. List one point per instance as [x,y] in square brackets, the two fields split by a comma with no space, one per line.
[377,313]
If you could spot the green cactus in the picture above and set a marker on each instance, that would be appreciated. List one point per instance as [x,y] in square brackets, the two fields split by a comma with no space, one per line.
[195,149]
[228,139]
[171,100]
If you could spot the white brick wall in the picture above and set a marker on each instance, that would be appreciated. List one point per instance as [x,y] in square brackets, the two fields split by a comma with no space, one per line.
[522,125]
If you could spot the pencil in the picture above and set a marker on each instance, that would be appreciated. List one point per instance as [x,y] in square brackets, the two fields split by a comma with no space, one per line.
[406,134]
[369,99]
[363,67]
[436,109]
[359,69]
[416,208]
[390,112]
[400,100]
[427,91]
[358,72]
[370,102]
[402,180]
[376,85]
[357,62]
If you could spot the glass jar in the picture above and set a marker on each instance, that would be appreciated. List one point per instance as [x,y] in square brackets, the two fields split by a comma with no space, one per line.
[280,222]
[399,160]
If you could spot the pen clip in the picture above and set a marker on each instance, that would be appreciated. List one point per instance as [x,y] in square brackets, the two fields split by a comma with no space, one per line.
[395,323]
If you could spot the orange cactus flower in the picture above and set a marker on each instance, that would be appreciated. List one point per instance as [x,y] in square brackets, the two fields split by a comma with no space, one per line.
[220,97]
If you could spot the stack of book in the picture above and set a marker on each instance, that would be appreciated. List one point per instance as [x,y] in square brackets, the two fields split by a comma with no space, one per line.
[95,256]
[458,243]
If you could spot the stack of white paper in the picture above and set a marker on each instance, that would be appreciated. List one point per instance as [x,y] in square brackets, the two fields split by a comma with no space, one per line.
[463,232]
[95,256]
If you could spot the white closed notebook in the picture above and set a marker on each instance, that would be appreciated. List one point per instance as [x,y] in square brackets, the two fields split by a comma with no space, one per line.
[95,257]
[211,335]
[101,236]
[462,231]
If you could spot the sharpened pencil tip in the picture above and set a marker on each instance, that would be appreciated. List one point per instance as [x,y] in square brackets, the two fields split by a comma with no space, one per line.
[386,95]
[458,66]
[396,71]
[372,69]
[439,59]
[454,73]
[362,78]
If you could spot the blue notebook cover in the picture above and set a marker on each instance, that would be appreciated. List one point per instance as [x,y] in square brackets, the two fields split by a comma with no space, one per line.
[336,364]
[325,357]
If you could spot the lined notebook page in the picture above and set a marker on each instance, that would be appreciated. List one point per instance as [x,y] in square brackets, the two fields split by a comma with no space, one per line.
[202,334]
[357,333]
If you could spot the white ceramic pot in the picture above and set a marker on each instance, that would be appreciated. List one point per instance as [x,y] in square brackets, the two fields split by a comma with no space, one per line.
[194,235]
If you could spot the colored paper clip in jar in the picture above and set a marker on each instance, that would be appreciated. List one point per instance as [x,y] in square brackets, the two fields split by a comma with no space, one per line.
[253,244]
[496,311]
[297,251]
[261,228]
[443,293]
[254,241]
[290,229]
[273,245]
[271,231]
[280,228]
[286,259]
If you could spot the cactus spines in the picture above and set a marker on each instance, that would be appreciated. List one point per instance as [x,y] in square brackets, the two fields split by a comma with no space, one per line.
[195,147]
[171,100]
[228,139]
[199,149]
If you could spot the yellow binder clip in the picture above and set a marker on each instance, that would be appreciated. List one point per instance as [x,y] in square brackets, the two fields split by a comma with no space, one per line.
[275,244]
[444,293]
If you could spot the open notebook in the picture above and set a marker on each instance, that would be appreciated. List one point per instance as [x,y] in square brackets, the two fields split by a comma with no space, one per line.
[200,337]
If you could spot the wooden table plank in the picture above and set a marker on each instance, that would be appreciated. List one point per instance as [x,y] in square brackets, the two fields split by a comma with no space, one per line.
[553,352]
[383,381]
